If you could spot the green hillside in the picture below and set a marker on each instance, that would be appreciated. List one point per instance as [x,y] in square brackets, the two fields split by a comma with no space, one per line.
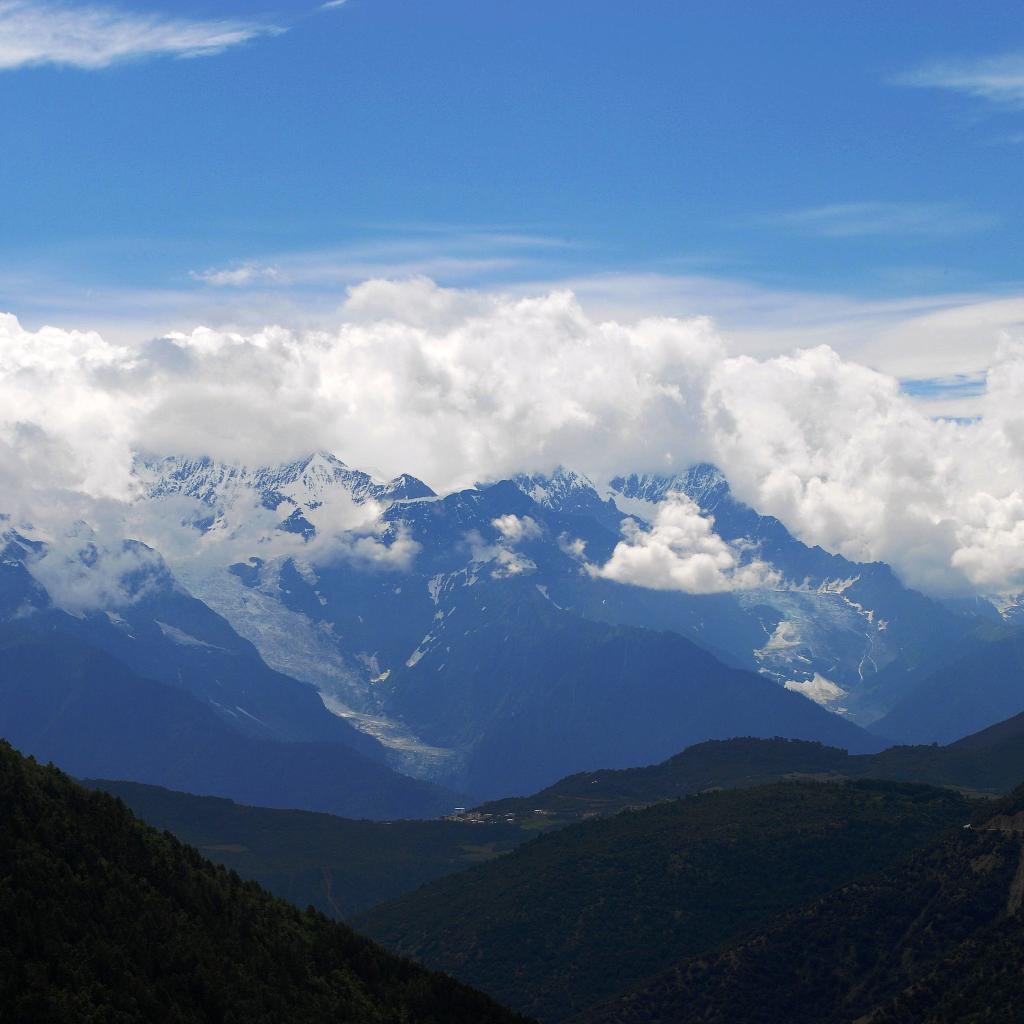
[343,867]
[592,910]
[337,865]
[107,920]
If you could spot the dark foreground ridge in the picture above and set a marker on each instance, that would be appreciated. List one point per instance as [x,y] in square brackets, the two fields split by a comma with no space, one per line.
[105,919]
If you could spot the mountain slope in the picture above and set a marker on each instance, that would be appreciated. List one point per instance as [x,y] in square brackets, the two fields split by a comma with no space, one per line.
[830,617]
[592,910]
[982,686]
[532,693]
[934,939]
[65,701]
[162,632]
[107,919]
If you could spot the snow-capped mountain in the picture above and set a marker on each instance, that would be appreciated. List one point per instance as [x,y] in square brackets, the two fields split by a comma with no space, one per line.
[824,627]
[437,625]
[299,493]
[159,630]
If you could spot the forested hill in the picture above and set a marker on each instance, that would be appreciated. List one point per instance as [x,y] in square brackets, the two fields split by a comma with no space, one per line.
[934,939]
[591,911]
[989,762]
[337,865]
[105,919]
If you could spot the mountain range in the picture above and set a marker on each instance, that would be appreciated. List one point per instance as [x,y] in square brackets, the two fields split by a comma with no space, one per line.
[466,639]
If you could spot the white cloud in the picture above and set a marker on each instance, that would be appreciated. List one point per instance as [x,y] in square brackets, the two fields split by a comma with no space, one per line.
[507,561]
[915,335]
[369,552]
[89,567]
[244,274]
[682,552]
[911,336]
[86,36]
[515,529]
[512,530]
[866,219]
[840,455]
[459,386]
[998,79]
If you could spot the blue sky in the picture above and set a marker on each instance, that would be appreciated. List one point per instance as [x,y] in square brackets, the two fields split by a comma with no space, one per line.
[785,152]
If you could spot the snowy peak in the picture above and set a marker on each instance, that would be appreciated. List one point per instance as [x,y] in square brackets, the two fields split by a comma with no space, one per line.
[703,482]
[408,488]
[553,491]
[291,489]
[19,592]
[308,482]
[568,493]
[201,479]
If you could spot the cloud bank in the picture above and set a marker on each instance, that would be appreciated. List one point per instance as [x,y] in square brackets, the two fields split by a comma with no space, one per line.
[89,37]
[458,386]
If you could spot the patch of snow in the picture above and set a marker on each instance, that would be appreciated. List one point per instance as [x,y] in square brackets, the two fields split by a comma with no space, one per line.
[406,751]
[819,689]
[248,714]
[1009,606]
[121,622]
[837,586]
[183,639]
[287,640]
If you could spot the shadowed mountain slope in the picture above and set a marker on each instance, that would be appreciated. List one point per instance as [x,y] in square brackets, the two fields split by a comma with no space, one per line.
[934,939]
[335,864]
[592,910]
[982,685]
[65,701]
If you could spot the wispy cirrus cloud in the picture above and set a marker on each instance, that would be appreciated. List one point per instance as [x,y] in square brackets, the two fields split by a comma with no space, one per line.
[238,276]
[872,218]
[998,79]
[90,37]
[448,251]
